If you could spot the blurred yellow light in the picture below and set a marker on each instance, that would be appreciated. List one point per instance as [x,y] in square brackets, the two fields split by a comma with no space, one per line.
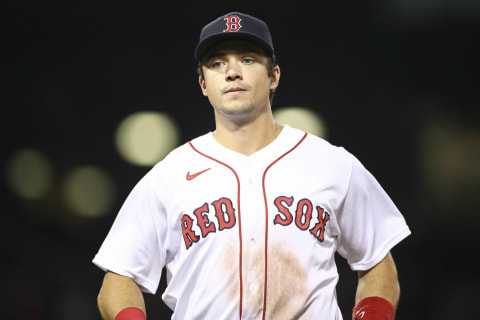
[302,118]
[450,165]
[89,191]
[29,174]
[144,138]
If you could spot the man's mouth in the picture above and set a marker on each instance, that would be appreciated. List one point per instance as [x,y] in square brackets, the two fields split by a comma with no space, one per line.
[235,90]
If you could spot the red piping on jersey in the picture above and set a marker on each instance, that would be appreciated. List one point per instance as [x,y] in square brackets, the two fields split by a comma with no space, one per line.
[239,222]
[266,221]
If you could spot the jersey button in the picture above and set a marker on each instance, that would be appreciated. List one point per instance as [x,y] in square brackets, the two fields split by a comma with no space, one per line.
[252,242]
[251,181]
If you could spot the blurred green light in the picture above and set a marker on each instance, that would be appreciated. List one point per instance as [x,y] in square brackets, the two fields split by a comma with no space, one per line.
[29,174]
[89,191]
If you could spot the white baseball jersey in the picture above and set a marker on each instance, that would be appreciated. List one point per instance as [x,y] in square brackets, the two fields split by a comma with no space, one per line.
[252,237]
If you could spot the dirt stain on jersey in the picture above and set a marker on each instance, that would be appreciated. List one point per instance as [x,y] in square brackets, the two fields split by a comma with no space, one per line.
[287,292]
[230,269]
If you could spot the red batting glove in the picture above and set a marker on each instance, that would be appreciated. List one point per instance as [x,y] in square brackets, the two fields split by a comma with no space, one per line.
[373,308]
[131,313]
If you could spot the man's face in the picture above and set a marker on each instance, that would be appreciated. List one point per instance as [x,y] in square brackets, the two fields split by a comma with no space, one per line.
[236,80]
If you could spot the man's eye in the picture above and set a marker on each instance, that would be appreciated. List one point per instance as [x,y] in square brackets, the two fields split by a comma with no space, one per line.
[248,60]
[217,64]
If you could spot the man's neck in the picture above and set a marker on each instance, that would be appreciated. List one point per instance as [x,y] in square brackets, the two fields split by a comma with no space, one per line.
[246,137]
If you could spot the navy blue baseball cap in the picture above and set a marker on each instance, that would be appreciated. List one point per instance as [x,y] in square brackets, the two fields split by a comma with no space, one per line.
[235,25]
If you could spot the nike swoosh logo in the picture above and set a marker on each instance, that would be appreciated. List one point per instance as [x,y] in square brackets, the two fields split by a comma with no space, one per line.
[193,176]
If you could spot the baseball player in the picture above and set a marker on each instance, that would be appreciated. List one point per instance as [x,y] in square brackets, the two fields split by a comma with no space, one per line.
[247,219]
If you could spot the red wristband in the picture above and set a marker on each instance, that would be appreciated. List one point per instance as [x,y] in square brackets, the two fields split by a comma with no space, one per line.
[373,308]
[131,313]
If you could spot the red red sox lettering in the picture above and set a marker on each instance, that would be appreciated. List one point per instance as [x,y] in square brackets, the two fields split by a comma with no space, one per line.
[226,219]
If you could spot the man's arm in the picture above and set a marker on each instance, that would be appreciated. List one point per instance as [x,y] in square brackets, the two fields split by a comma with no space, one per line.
[380,281]
[117,293]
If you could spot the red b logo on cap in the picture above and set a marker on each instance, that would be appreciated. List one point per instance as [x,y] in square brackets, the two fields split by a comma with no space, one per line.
[233,23]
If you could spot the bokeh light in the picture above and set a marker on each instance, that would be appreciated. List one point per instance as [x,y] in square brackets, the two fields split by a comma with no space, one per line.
[302,118]
[450,165]
[89,192]
[29,174]
[144,138]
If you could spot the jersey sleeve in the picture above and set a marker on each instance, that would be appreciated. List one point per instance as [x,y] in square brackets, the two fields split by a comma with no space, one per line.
[134,246]
[370,224]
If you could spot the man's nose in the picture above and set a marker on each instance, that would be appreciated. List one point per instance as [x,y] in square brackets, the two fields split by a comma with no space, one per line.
[234,71]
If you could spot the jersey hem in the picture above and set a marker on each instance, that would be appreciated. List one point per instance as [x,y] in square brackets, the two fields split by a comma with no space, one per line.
[382,253]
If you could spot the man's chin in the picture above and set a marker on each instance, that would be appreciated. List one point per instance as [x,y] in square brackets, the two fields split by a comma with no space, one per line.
[237,111]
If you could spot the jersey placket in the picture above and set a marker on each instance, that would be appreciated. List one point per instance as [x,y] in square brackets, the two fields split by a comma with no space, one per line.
[253,235]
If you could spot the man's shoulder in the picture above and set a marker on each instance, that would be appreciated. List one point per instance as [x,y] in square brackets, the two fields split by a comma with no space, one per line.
[179,157]
[321,146]
[184,151]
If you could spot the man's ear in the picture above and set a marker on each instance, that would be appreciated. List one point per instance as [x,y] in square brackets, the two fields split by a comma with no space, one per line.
[275,78]
[203,86]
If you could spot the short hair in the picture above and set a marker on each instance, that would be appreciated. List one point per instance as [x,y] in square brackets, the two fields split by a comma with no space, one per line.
[271,64]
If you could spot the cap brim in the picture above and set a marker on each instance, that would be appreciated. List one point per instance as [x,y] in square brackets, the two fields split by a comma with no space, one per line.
[208,42]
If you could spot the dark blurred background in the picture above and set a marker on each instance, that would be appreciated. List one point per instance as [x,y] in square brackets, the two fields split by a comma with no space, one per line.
[395,81]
